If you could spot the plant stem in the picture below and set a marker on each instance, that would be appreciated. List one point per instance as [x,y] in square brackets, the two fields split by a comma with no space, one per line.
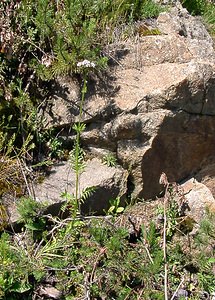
[182,280]
[164,244]
[77,143]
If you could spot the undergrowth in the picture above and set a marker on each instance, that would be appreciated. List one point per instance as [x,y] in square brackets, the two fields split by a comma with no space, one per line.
[93,258]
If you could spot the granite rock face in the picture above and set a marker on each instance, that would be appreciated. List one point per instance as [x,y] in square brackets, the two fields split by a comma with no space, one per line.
[156,110]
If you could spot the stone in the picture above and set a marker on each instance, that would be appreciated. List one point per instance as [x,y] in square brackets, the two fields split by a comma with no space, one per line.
[109,183]
[182,145]
[207,176]
[199,199]
[61,108]
[49,292]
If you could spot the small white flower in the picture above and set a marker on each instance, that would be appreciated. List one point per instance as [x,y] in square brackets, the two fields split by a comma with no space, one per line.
[86,64]
[46,60]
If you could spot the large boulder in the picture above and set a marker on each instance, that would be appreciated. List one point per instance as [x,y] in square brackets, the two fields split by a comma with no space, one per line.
[156,109]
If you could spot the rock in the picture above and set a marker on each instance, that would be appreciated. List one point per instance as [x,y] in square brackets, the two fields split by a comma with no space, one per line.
[49,292]
[199,199]
[109,183]
[156,110]
[207,177]
[182,145]
[182,293]
[63,106]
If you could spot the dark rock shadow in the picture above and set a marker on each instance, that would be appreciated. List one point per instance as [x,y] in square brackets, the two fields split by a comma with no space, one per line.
[182,146]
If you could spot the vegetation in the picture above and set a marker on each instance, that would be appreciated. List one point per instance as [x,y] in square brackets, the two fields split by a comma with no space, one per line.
[94,258]
[82,257]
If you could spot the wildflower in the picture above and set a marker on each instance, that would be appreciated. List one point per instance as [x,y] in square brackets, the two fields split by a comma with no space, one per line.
[46,60]
[86,64]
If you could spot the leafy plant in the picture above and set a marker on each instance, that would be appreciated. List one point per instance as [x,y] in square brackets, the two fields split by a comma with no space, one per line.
[110,160]
[115,207]
[55,146]
[82,257]
[13,273]
[28,209]
[30,213]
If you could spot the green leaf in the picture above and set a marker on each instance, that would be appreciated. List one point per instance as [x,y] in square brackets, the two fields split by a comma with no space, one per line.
[38,225]
[21,287]
[119,209]
[111,209]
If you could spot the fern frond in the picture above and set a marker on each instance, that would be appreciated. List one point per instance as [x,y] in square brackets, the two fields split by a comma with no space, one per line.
[86,193]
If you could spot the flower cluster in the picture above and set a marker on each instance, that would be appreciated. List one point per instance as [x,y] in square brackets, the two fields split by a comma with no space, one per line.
[86,64]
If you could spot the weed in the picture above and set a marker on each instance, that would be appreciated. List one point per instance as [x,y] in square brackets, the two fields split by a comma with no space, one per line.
[55,146]
[77,154]
[110,160]
[115,207]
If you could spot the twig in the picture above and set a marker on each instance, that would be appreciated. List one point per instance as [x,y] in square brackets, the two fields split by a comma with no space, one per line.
[101,253]
[173,296]
[78,218]
[36,46]
[38,247]
[147,251]
[164,181]
[87,287]
[29,81]
[24,176]
[164,245]
[61,269]
[114,59]
[140,295]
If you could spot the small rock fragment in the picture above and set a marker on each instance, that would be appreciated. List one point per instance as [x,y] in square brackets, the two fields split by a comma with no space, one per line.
[50,292]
